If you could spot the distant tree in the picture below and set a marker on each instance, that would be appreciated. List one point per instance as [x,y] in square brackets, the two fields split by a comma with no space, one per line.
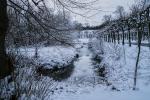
[107,18]
[120,14]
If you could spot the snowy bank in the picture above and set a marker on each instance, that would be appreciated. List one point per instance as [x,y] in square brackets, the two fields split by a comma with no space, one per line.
[28,83]
[51,56]
[96,46]
[120,62]
[101,94]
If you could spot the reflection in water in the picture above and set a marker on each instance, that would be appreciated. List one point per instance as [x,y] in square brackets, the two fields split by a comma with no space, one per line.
[58,74]
[63,73]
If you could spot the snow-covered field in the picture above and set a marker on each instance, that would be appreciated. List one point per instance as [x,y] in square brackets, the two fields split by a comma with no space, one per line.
[82,82]
[31,85]
[120,63]
[59,56]
[100,93]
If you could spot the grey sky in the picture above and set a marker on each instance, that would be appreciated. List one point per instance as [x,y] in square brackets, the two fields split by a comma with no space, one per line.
[108,7]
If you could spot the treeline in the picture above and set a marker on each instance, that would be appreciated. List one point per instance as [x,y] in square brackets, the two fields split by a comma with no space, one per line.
[127,28]
[94,27]
[134,27]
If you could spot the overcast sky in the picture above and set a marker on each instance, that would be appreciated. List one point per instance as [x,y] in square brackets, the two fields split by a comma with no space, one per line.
[107,7]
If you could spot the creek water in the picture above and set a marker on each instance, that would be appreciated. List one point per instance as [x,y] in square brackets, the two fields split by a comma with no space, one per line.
[82,70]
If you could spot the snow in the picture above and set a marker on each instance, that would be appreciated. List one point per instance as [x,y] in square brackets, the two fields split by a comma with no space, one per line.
[51,56]
[120,62]
[83,40]
[97,46]
[114,58]
[100,94]
[83,83]
[83,67]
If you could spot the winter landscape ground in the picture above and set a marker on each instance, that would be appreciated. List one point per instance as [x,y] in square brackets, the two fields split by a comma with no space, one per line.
[74,49]
[83,80]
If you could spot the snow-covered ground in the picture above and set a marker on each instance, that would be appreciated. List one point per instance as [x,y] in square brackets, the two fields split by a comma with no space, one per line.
[120,62]
[59,56]
[32,85]
[83,82]
[100,93]
[83,78]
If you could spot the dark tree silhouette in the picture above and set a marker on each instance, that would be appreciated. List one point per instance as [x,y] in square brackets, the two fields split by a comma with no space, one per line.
[3,31]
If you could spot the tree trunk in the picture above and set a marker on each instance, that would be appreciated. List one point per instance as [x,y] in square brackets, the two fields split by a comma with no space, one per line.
[122,36]
[111,37]
[3,30]
[114,37]
[140,31]
[136,67]
[148,34]
[129,36]
[137,60]
[108,37]
[118,37]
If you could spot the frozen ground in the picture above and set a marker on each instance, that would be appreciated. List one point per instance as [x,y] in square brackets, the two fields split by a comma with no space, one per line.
[83,83]
[120,62]
[99,93]
[59,56]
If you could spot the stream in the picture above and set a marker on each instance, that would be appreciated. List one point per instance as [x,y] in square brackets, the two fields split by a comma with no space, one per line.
[79,78]
[83,67]
[82,70]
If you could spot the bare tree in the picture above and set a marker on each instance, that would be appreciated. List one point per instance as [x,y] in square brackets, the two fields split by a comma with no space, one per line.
[3,31]
[120,14]
[107,18]
[31,7]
